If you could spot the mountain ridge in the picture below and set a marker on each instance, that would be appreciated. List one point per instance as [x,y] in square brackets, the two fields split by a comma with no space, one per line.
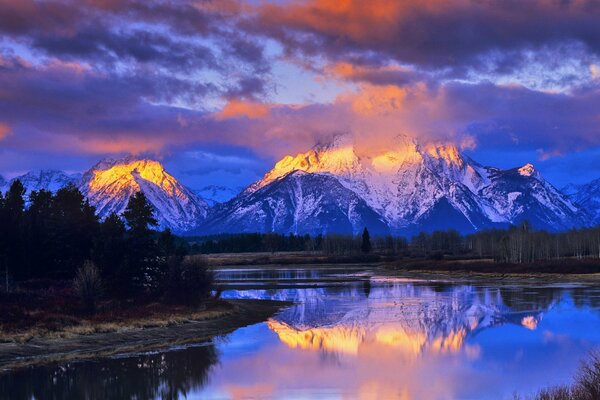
[337,188]
[413,186]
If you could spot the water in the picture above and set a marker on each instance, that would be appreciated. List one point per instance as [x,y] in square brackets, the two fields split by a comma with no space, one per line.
[356,334]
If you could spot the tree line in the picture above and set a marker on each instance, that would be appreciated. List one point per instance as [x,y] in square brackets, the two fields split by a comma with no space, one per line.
[517,244]
[59,236]
[334,244]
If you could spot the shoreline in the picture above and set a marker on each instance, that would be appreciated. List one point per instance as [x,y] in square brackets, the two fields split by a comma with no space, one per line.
[130,340]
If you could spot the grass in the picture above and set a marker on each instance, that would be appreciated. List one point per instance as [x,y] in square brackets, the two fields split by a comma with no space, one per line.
[290,258]
[562,266]
[55,311]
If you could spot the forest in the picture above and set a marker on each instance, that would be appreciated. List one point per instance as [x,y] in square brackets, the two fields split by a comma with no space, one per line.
[518,244]
[58,236]
[46,237]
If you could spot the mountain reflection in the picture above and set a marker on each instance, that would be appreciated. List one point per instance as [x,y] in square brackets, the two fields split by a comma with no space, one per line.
[406,319]
[169,375]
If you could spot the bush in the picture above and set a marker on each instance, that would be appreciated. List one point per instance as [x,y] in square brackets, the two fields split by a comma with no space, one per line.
[189,280]
[586,386]
[88,285]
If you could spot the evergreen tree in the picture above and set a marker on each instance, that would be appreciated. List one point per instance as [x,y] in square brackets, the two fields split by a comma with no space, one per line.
[141,268]
[139,214]
[12,226]
[74,227]
[366,242]
[38,240]
[109,248]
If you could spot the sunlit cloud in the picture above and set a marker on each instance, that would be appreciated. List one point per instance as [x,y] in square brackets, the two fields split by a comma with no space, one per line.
[275,78]
[237,108]
[4,130]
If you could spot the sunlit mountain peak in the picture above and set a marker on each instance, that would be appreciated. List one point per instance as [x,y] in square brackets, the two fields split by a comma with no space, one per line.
[110,183]
[527,170]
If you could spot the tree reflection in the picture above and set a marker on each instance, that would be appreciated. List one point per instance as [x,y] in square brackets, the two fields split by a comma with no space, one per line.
[170,375]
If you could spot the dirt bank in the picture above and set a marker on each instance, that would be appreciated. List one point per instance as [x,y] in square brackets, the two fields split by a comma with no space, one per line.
[132,338]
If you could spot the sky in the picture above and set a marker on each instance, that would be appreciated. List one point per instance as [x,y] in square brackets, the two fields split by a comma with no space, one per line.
[220,90]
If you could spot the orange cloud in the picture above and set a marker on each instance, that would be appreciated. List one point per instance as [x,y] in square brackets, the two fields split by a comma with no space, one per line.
[239,108]
[376,100]
[120,145]
[355,19]
[4,131]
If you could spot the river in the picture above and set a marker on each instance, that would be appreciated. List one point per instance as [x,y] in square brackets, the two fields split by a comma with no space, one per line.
[355,332]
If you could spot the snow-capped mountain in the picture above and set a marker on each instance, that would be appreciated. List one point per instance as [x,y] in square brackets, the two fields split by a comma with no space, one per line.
[409,187]
[50,179]
[303,202]
[215,194]
[587,196]
[404,318]
[110,183]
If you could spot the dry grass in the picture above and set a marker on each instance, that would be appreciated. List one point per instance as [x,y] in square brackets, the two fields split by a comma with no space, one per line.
[55,312]
[89,327]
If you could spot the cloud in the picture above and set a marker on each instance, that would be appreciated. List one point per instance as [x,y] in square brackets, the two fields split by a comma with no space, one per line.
[237,108]
[459,38]
[595,71]
[102,76]
[4,130]
[194,41]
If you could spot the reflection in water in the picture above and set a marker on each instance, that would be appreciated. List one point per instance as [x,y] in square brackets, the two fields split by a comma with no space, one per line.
[406,318]
[170,375]
[393,338]
[356,338]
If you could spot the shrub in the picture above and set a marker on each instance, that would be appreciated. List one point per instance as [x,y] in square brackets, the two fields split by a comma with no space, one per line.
[586,386]
[88,285]
[189,280]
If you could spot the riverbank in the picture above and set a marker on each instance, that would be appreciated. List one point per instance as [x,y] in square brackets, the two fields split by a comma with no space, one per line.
[489,267]
[137,335]
[389,262]
[289,258]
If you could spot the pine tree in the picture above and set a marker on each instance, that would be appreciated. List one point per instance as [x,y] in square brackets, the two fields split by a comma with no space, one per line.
[366,242]
[109,248]
[139,214]
[74,228]
[141,267]
[38,239]
[12,225]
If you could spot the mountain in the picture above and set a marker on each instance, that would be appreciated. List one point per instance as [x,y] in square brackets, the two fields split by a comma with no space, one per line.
[303,202]
[215,194]
[397,318]
[110,183]
[409,187]
[50,179]
[587,196]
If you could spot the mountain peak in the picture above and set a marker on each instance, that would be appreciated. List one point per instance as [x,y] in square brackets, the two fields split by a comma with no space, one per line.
[528,170]
[111,182]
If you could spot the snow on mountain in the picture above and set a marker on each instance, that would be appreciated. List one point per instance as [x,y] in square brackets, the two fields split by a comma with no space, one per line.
[410,186]
[407,319]
[522,194]
[51,180]
[110,183]
[301,203]
[3,184]
[587,196]
[215,194]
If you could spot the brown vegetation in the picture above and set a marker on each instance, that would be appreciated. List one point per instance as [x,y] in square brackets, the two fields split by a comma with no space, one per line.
[560,266]
[585,387]
[54,308]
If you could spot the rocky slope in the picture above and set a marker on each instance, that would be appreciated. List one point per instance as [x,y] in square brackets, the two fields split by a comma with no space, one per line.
[409,188]
[110,183]
[587,196]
